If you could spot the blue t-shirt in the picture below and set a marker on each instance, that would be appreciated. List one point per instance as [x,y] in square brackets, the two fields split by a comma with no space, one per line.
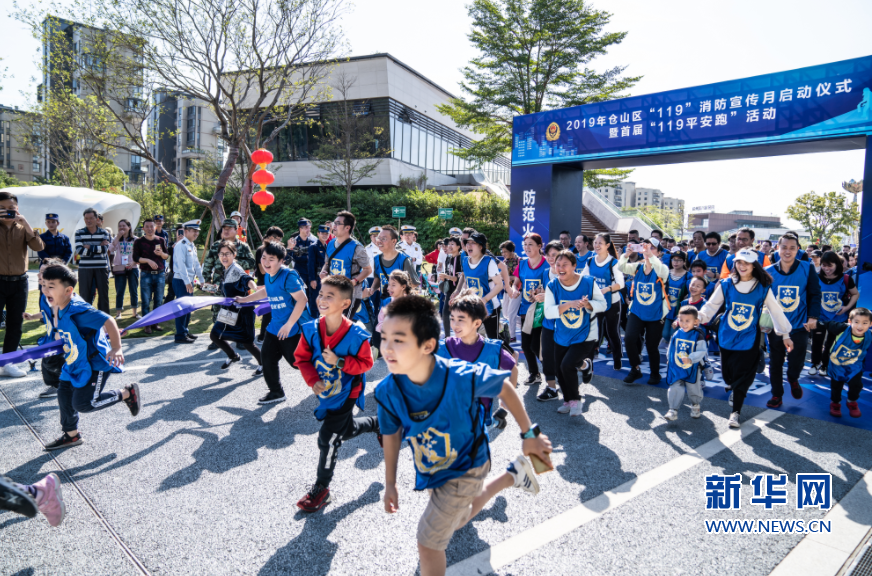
[279,290]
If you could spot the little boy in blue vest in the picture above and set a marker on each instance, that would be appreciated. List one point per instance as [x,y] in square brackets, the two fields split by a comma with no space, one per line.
[92,351]
[433,403]
[846,359]
[333,356]
[684,363]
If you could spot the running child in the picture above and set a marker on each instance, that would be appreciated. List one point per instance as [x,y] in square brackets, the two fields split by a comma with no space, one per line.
[92,351]
[698,269]
[676,288]
[467,314]
[399,285]
[684,361]
[333,356]
[852,341]
[443,426]
[696,297]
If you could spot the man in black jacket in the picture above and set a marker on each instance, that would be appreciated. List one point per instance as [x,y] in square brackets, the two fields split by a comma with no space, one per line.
[317,256]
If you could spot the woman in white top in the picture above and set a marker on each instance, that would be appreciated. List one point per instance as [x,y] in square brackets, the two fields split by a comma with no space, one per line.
[744,294]
[603,267]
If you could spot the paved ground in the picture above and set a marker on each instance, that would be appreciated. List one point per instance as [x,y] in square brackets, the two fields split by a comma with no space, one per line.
[204,481]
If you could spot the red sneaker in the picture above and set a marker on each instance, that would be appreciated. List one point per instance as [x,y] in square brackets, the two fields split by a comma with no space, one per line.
[836,409]
[774,402]
[854,410]
[317,497]
[795,389]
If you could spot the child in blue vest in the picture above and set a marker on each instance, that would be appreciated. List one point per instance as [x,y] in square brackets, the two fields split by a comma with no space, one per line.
[288,311]
[684,363]
[852,341]
[433,404]
[92,350]
[676,289]
[698,270]
[467,314]
[333,356]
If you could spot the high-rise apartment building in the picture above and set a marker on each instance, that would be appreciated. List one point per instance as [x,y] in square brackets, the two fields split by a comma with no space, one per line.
[15,159]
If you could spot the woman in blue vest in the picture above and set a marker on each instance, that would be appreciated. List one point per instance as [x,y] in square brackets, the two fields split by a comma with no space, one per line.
[647,309]
[532,275]
[743,296]
[482,273]
[549,366]
[838,297]
[603,268]
[571,300]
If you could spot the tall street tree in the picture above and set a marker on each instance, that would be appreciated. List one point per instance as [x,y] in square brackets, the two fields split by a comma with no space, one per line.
[534,55]
[825,216]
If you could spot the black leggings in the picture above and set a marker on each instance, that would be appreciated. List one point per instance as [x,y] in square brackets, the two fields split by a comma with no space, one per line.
[739,368]
[491,324]
[821,343]
[225,347]
[855,386]
[549,364]
[653,331]
[530,344]
[569,359]
[608,326]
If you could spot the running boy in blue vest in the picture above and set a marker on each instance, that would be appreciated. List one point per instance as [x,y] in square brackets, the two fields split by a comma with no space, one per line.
[684,362]
[92,350]
[433,403]
[333,356]
[846,359]
[467,313]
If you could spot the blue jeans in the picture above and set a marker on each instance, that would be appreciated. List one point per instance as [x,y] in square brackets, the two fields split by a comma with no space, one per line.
[181,289]
[122,281]
[152,286]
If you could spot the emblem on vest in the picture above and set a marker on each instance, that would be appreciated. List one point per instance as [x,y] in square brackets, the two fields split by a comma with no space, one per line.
[831,301]
[683,348]
[741,316]
[645,293]
[844,356]
[433,451]
[788,297]
[337,268]
[332,378]
[673,295]
[71,353]
[572,317]
[529,286]
[476,284]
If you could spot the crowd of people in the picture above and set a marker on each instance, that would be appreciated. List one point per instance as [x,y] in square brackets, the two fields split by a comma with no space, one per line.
[444,323]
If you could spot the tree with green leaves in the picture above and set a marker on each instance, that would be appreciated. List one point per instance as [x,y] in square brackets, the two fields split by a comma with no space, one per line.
[7,180]
[826,217]
[534,55]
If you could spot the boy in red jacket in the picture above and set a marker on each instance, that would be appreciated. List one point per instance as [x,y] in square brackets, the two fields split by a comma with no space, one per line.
[333,356]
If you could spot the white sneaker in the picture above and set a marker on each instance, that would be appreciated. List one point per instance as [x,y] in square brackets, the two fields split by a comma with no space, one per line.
[138,316]
[813,371]
[522,472]
[13,371]
[575,408]
[734,420]
[823,372]
[695,411]
[564,409]
[672,415]
[118,316]
[730,400]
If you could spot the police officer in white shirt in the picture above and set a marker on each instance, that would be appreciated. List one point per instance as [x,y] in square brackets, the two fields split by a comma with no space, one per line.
[411,248]
[373,250]
[186,266]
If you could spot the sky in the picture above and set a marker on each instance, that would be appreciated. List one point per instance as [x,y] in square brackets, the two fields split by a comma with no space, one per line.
[671,43]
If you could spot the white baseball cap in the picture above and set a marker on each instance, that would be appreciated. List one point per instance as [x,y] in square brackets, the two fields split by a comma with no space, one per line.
[747,255]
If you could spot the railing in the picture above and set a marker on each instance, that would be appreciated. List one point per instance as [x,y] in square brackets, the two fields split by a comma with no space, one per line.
[635,213]
[608,204]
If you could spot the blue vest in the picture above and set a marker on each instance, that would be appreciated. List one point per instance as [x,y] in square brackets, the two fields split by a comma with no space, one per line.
[84,350]
[679,366]
[647,293]
[340,264]
[339,384]
[714,263]
[478,279]
[581,261]
[667,259]
[281,302]
[383,272]
[846,357]
[674,289]
[446,442]
[573,326]
[46,312]
[548,323]
[738,326]
[604,276]
[530,280]
[490,355]
[789,290]
[831,301]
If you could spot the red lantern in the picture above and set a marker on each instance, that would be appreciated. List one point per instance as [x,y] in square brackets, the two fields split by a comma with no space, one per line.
[263,178]
[261,156]
[263,199]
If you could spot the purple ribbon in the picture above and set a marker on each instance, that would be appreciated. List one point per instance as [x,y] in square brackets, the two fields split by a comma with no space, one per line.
[185,305]
[50,349]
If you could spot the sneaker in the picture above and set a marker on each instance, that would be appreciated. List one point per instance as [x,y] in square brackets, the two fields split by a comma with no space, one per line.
[564,409]
[795,389]
[634,375]
[48,392]
[522,472]
[14,371]
[730,399]
[158,328]
[259,371]
[587,373]
[133,401]
[190,336]
[548,394]
[51,502]
[316,498]
[774,402]
[65,441]
[575,408]
[138,316]
[260,337]
[230,361]
[813,371]
[709,373]
[14,499]
[836,409]
[147,330]
[272,398]
[671,415]
[822,372]
[533,379]
[854,410]
[500,418]
[695,411]
[183,341]
[654,379]
[118,316]
[734,420]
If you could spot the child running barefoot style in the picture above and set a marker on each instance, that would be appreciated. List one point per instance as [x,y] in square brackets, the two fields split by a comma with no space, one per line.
[434,404]
[685,358]
[92,351]
[852,341]
[26,499]
[468,311]
[333,356]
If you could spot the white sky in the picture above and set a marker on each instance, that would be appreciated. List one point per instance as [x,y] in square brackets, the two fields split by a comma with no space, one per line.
[672,43]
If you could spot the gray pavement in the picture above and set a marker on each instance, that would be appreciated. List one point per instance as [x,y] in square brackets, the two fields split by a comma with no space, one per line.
[205,481]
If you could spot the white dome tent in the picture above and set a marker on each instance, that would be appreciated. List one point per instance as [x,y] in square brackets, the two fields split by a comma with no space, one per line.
[34,202]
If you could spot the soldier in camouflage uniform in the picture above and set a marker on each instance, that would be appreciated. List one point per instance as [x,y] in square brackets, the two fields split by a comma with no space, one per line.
[213,271]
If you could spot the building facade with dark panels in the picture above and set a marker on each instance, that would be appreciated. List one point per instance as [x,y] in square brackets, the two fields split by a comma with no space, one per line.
[720,222]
